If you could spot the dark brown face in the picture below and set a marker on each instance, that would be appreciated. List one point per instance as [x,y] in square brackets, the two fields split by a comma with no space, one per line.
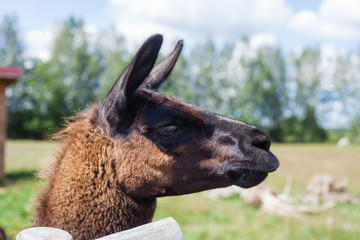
[183,148]
[207,150]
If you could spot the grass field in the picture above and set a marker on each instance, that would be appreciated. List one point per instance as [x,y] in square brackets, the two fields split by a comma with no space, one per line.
[203,218]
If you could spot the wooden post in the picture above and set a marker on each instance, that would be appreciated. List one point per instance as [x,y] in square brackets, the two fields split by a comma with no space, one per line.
[3,122]
[43,233]
[163,229]
[7,76]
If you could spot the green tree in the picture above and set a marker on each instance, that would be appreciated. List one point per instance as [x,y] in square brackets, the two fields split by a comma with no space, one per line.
[312,132]
[178,83]
[203,65]
[11,48]
[305,95]
[11,54]
[265,90]
[306,78]
[347,91]
[355,129]
[110,47]
[57,88]
[77,67]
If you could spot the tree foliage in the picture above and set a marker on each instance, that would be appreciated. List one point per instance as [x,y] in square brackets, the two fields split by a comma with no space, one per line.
[290,96]
[52,90]
[11,48]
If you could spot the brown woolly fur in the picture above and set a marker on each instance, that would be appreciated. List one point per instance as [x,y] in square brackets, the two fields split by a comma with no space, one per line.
[117,158]
[86,186]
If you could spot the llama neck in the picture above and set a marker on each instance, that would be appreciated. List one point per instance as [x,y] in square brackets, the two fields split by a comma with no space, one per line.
[84,195]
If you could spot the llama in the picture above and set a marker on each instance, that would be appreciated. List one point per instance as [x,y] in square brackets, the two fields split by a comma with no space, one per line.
[2,234]
[118,157]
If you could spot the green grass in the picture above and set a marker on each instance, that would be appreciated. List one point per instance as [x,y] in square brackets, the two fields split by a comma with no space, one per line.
[16,201]
[23,160]
[203,218]
[28,154]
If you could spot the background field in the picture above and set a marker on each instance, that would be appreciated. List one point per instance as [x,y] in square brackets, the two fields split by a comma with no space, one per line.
[203,218]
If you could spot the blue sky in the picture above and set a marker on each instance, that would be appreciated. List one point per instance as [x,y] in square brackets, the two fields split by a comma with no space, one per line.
[289,24]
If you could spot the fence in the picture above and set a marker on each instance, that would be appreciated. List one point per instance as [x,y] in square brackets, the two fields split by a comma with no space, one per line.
[164,229]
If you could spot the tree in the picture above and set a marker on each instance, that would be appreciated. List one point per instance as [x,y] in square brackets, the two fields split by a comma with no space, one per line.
[11,48]
[11,54]
[265,90]
[347,91]
[59,87]
[305,95]
[355,129]
[110,47]
[203,79]
[78,69]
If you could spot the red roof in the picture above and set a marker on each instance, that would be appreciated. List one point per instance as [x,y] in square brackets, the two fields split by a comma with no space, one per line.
[9,75]
[12,71]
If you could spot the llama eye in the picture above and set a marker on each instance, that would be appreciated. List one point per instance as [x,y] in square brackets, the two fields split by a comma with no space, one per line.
[168,131]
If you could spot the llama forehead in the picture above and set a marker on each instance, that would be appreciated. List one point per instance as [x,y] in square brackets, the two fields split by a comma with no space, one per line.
[171,104]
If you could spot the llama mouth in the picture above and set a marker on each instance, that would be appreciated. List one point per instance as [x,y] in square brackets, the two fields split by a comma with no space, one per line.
[246,178]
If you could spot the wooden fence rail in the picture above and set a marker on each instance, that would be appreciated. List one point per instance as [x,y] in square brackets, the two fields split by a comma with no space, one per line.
[164,229]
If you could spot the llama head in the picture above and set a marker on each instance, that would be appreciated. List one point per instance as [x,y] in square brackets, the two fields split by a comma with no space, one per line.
[170,147]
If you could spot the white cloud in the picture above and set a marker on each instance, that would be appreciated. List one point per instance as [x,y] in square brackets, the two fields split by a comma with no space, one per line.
[265,22]
[341,11]
[38,42]
[262,39]
[91,29]
[196,20]
[335,19]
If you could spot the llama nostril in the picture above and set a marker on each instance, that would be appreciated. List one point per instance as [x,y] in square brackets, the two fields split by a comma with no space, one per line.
[261,141]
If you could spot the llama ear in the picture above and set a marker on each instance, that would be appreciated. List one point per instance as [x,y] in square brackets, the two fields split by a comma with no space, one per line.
[114,109]
[161,72]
